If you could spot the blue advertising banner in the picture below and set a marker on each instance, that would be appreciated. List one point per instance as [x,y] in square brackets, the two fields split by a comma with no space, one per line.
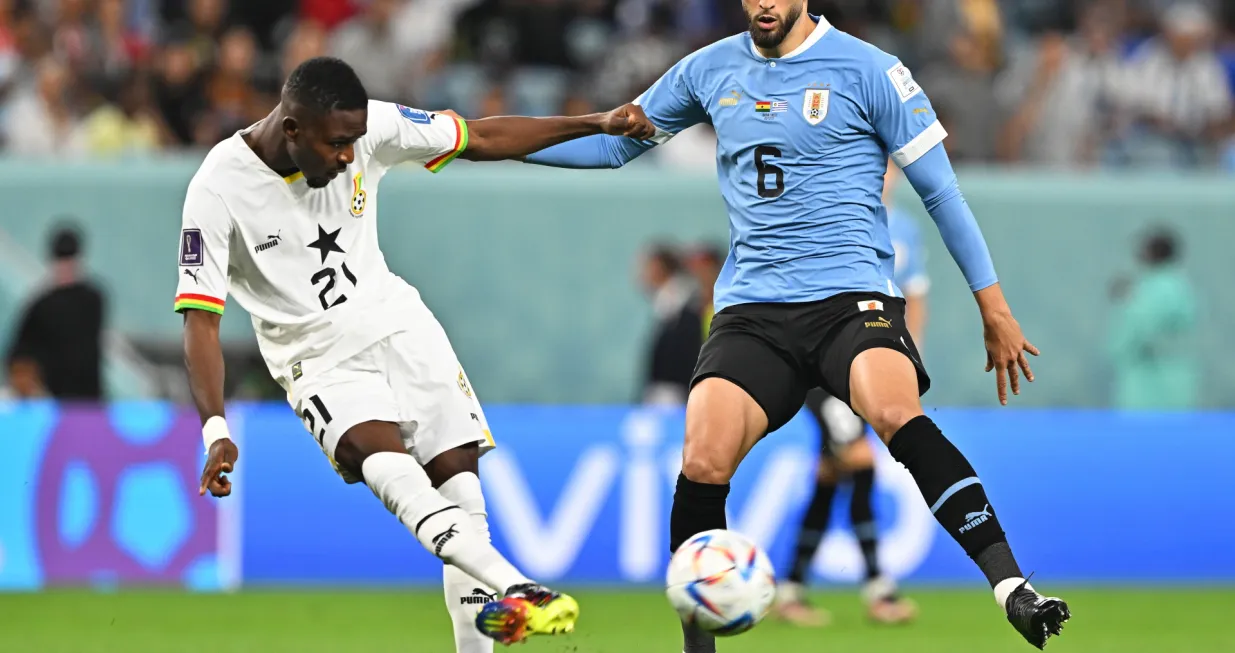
[582,494]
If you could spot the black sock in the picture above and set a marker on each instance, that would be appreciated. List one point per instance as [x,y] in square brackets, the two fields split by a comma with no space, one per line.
[862,515]
[697,641]
[952,490]
[814,525]
[697,507]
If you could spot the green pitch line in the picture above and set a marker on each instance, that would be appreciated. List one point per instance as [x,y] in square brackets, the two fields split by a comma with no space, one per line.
[1105,621]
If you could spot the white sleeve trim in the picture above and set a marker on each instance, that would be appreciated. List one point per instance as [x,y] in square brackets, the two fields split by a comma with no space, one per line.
[913,150]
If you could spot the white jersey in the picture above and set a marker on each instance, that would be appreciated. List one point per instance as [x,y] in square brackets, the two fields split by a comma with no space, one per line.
[305,262]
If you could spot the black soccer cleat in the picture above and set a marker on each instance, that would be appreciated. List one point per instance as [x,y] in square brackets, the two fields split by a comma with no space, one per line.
[1034,616]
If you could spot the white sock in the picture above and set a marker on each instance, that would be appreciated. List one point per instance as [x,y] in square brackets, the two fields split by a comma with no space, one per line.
[1004,589]
[441,526]
[465,595]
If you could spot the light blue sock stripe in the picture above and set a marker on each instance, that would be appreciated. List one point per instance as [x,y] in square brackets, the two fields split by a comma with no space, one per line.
[865,531]
[956,487]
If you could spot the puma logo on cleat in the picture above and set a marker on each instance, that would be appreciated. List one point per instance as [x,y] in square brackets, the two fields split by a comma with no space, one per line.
[271,241]
[975,519]
[478,597]
[441,539]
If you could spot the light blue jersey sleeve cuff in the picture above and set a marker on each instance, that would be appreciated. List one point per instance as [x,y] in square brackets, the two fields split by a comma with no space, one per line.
[592,152]
[931,175]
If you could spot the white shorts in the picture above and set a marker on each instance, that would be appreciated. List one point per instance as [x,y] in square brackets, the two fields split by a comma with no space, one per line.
[412,379]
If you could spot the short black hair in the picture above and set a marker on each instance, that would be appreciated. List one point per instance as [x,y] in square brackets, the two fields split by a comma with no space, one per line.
[65,243]
[666,255]
[325,84]
[1161,246]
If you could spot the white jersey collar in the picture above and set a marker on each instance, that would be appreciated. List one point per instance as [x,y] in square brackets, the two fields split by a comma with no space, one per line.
[821,28]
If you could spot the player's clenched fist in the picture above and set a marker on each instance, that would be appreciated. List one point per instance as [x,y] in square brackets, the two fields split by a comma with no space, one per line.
[220,461]
[629,120]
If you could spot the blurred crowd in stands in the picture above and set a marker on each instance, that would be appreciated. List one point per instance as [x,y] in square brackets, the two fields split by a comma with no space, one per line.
[1041,82]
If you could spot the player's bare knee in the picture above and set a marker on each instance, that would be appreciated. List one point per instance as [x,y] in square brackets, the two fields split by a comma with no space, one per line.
[887,419]
[702,467]
[364,440]
[453,462]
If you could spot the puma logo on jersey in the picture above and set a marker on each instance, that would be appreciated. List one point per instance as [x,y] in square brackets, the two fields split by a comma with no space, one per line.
[880,323]
[271,241]
[478,597]
[192,274]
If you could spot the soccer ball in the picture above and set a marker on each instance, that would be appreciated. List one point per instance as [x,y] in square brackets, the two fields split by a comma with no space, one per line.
[721,582]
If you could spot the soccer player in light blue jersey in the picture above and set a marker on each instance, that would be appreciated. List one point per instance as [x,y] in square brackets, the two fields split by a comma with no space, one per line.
[806,117]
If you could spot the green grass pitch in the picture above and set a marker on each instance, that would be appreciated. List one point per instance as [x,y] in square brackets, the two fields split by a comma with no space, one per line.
[1106,621]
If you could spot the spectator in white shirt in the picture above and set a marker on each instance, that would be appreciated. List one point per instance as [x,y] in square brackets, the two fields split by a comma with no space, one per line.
[1181,97]
[1066,96]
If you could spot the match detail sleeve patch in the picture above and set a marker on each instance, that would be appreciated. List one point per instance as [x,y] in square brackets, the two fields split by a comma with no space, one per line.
[461,136]
[902,79]
[191,254]
[415,115]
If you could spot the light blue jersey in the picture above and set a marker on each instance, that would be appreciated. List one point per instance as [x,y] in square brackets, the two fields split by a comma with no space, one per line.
[802,147]
[803,144]
[909,273]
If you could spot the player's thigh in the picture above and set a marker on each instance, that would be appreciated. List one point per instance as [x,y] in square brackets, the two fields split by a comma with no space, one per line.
[440,413]
[884,389]
[871,364]
[352,398]
[743,389]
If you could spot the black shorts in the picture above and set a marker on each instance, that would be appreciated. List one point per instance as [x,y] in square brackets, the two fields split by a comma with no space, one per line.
[777,352]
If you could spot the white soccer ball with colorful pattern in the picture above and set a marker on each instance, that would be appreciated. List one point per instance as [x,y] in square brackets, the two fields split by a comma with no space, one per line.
[721,582]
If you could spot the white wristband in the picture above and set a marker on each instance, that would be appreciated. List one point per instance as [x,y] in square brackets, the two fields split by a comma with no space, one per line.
[215,429]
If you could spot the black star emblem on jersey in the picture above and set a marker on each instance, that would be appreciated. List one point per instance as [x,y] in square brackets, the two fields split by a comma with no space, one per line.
[325,242]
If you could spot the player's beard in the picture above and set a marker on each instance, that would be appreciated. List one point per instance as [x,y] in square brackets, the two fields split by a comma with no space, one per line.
[768,40]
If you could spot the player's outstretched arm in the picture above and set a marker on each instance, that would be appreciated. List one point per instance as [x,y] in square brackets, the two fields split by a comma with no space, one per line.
[933,178]
[513,137]
[203,358]
[591,153]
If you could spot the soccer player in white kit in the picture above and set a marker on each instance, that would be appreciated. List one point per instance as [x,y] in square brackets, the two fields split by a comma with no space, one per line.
[364,362]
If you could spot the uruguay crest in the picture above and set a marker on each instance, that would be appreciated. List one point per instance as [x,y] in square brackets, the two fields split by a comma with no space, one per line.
[815,105]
